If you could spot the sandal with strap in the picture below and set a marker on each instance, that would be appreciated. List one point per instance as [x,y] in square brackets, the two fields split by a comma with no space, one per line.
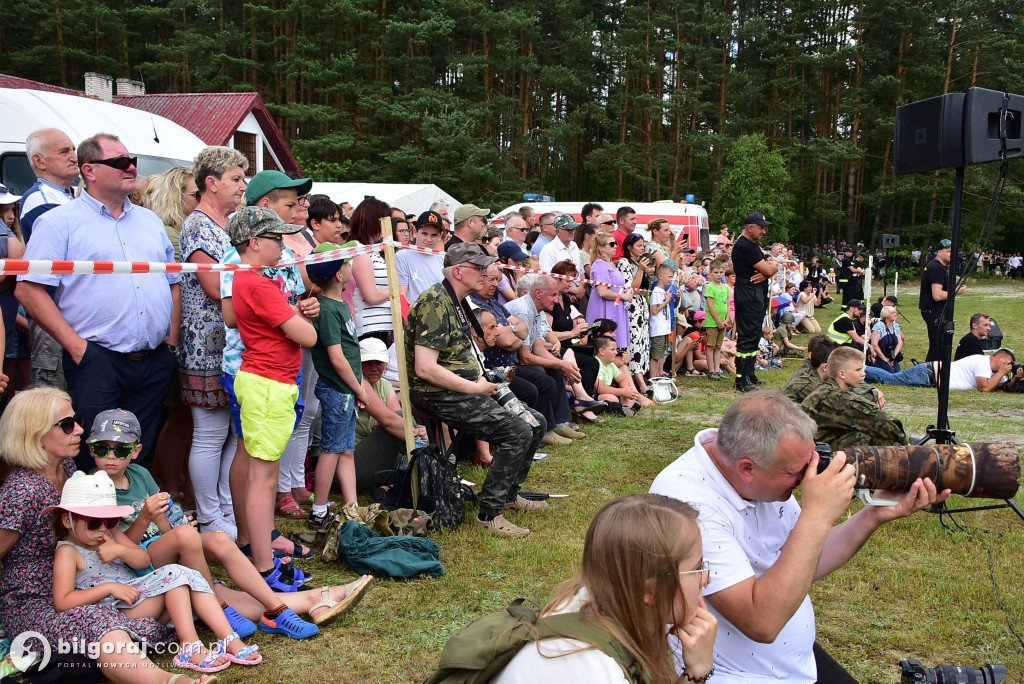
[297,551]
[184,658]
[247,552]
[278,580]
[290,508]
[354,592]
[203,679]
[242,657]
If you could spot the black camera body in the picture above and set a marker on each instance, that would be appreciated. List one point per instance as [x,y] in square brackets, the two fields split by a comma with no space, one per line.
[825,455]
[1015,367]
[913,672]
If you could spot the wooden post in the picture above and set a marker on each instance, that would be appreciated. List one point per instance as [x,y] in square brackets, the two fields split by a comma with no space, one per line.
[397,323]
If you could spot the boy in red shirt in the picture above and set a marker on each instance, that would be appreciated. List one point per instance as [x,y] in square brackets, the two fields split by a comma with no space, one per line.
[273,333]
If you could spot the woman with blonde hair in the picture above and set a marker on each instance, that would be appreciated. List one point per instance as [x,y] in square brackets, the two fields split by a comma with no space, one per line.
[641,578]
[610,288]
[173,195]
[39,440]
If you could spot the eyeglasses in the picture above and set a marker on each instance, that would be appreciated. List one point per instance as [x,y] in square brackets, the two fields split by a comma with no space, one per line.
[612,243]
[119,163]
[67,424]
[547,225]
[120,451]
[705,570]
[4,189]
[279,239]
[93,524]
[196,195]
[304,201]
[607,223]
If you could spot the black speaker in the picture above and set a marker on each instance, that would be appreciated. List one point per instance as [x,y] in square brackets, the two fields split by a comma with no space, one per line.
[890,241]
[929,134]
[985,125]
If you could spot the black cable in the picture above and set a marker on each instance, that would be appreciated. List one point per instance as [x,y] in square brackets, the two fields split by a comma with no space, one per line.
[972,532]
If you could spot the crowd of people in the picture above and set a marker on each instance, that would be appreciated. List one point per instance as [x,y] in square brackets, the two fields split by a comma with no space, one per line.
[255,390]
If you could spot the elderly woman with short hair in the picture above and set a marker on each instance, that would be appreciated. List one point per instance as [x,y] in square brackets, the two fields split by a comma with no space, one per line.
[39,440]
[220,178]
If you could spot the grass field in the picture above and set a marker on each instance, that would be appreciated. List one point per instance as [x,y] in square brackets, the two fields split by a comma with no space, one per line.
[914,591]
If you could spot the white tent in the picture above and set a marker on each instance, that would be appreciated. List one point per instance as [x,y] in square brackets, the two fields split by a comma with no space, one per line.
[411,198]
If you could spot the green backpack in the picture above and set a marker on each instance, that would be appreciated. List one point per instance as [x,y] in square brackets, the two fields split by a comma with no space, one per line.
[482,649]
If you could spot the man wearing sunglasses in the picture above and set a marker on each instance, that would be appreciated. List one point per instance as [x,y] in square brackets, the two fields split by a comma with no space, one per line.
[119,332]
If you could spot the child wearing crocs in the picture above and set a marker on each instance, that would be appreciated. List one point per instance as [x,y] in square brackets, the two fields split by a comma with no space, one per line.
[273,333]
[340,385]
[96,563]
[114,444]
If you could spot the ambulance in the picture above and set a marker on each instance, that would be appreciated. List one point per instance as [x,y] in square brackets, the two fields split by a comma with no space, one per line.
[685,218]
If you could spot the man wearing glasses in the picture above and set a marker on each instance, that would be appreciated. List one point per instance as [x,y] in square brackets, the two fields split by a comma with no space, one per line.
[606,224]
[119,332]
[516,230]
[447,383]
[765,551]
[546,225]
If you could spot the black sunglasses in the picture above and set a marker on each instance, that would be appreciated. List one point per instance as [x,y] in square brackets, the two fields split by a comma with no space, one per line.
[93,524]
[197,195]
[119,163]
[607,223]
[613,243]
[67,424]
[120,451]
[4,189]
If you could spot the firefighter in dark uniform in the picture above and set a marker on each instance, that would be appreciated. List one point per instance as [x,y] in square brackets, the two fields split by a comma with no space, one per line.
[857,270]
[752,281]
[843,275]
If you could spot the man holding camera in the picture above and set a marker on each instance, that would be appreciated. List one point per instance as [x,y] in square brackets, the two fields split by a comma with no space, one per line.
[764,549]
[448,383]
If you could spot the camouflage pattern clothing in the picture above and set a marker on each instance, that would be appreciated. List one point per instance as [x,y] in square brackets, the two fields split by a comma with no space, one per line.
[433,323]
[847,418]
[803,382]
[781,335]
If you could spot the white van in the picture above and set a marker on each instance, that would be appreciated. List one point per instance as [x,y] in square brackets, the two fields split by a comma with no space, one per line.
[159,143]
[684,217]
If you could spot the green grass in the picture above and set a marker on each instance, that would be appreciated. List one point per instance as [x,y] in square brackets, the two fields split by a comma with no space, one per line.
[914,591]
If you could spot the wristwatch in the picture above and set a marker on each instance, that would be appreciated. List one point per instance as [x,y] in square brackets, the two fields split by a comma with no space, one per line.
[515,329]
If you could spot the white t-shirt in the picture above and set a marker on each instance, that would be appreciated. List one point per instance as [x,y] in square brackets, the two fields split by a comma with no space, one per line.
[661,322]
[742,539]
[964,374]
[591,666]
[418,271]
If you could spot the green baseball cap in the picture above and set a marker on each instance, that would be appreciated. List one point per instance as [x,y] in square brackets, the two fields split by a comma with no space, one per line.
[250,222]
[322,272]
[265,181]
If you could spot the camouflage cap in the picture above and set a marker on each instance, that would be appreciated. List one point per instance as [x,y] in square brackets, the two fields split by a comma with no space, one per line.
[250,222]
[468,253]
[115,425]
[565,222]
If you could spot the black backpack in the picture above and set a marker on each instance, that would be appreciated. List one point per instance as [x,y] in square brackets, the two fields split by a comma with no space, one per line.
[440,487]
[480,650]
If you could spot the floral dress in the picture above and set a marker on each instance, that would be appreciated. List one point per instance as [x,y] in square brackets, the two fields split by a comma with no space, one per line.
[639,322]
[202,338]
[159,581]
[26,582]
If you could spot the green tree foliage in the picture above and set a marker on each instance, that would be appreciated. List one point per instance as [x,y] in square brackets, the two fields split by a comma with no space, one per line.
[579,99]
[755,179]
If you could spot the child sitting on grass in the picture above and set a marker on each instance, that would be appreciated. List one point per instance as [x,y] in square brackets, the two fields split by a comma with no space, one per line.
[613,385]
[114,444]
[273,333]
[783,338]
[97,563]
[339,387]
[767,351]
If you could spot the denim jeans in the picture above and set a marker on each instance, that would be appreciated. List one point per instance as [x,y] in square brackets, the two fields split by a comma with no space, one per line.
[915,376]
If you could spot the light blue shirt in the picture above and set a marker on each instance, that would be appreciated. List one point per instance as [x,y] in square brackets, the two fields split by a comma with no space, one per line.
[539,244]
[122,312]
[525,310]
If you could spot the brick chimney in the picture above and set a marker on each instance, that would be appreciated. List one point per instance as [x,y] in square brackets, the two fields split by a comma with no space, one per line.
[127,86]
[99,86]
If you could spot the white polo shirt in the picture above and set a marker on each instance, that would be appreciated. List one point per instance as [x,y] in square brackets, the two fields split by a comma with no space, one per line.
[742,539]
[555,251]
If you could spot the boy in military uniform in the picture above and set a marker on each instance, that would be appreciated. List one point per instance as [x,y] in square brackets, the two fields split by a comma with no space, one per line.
[846,417]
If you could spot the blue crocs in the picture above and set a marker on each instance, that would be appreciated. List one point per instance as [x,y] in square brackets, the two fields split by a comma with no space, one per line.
[280,579]
[289,624]
[240,624]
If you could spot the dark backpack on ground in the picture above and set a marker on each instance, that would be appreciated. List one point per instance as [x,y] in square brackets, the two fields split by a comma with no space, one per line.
[480,650]
[440,487]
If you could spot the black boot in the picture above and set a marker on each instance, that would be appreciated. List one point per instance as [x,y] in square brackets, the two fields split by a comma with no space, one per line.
[742,380]
[751,375]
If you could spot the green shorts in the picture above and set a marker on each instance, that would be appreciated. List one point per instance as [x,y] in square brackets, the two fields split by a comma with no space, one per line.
[268,414]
